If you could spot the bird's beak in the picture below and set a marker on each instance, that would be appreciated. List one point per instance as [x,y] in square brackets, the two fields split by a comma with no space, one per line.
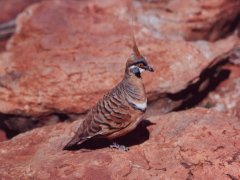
[149,68]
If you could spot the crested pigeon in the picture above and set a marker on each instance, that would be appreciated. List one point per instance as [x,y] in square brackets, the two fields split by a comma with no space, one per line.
[121,109]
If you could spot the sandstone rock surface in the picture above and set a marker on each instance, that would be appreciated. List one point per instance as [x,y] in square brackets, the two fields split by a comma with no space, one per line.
[189,20]
[66,55]
[8,14]
[10,9]
[192,144]
[226,97]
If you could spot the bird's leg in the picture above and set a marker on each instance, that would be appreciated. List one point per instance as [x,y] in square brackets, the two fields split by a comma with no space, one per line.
[119,147]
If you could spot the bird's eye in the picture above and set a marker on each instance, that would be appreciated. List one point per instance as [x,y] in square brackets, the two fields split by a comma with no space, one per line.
[140,65]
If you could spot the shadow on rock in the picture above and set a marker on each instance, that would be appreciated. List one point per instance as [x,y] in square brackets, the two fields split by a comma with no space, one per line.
[13,124]
[196,92]
[135,137]
[208,81]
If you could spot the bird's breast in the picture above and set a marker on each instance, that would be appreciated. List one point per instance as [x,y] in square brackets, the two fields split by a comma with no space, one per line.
[140,105]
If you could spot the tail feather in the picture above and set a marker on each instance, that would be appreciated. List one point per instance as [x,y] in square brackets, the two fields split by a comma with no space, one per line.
[75,141]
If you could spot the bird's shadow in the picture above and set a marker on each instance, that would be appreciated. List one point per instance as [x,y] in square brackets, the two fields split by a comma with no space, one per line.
[139,135]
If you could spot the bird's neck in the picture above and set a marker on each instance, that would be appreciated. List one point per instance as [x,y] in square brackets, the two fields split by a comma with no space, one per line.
[133,79]
[134,87]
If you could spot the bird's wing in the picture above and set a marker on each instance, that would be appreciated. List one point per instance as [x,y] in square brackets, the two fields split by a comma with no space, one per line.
[110,114]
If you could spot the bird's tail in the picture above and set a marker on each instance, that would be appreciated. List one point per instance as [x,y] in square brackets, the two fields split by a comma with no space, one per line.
[74,141]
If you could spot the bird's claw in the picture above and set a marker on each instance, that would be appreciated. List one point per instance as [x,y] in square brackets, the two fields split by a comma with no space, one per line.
[119,147]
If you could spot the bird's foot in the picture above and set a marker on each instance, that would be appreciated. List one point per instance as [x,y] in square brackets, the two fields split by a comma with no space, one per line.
[119,147]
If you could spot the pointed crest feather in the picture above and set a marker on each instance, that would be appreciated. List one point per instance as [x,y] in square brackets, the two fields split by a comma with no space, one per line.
[134,45]
[135,48]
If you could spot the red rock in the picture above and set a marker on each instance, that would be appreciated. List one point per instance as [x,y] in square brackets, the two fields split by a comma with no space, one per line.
[66,55]
[238,109]
[2,136]
[190,20]
[199,143]
[2,45]
[10,9]
[226,98]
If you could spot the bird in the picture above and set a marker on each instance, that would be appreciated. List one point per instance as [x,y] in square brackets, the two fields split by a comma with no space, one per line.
[120,110]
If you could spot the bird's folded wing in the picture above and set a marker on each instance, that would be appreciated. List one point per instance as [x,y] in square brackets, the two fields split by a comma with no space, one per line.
[111,114]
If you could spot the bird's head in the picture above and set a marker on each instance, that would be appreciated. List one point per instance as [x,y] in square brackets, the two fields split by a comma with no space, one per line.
[137,64]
